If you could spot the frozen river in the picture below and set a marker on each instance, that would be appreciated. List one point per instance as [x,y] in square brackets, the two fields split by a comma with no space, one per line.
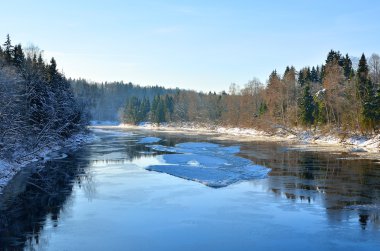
[140,190]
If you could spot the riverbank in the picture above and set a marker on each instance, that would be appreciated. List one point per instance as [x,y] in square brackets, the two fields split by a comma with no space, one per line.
[352,143]
[8,169]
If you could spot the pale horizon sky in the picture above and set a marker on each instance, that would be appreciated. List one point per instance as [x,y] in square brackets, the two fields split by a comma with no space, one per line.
[200,45]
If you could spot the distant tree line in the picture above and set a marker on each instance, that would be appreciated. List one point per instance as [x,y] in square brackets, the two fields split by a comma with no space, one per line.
[335,95]
[105,101]
[37,105]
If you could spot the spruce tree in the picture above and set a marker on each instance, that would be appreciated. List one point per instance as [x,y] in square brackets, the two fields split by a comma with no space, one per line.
[132,111]
[365,92]
[301,78]
[18,56]
[307,107]
[313,75]
[8,50]
[335,56]
[145,108]
[169,106]
[376,107]
[154,110]
[347,67]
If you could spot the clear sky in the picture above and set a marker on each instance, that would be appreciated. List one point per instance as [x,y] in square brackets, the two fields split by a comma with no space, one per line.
[202,45]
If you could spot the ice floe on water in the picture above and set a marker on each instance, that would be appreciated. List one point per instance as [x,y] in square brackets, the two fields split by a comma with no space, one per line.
[149,140]
[112,132]
[207,163]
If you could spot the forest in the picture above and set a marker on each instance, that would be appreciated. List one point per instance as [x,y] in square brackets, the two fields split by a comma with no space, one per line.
[335,96]
[37,104]
[104,101]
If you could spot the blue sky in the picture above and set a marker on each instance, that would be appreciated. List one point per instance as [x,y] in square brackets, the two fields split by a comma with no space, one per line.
[201,45]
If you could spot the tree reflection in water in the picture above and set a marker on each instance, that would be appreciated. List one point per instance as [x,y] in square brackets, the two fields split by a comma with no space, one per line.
[344,187]
[44,196]
[340,183]
[45,192]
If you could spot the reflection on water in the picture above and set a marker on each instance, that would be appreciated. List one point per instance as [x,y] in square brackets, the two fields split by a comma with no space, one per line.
[46,191]
[335,180]
[347,189]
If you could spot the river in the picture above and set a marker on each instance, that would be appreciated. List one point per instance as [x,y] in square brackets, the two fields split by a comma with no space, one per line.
[102,197]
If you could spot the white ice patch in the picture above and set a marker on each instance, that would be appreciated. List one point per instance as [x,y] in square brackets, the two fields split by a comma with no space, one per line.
[112,132]
[207,163]
[149,140]
[104,123]
[193,163]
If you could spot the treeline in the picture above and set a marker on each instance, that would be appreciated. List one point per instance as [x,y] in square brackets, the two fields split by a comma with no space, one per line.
[37,105]
[335,95]
[105,100]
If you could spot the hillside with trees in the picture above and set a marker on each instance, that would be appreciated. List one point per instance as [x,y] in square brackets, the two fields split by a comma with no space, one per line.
[333,96]
[104,101]
[37,105]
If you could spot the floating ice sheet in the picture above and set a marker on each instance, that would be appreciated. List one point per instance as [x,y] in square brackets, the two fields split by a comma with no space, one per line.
[149,140]
[207,163]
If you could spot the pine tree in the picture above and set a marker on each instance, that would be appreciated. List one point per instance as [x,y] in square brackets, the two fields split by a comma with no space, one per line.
[40,61]
[52,71]
[313,75]
[18,56]
[308,75]
[132,113]
[145,109]
[377,107]
[335,56]
[365,92]
[307,107]
[301,78]
[263,108]
[169,107]
[8,50]
[347,67]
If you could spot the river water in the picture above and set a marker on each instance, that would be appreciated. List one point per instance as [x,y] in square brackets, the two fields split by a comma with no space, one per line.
[102,197]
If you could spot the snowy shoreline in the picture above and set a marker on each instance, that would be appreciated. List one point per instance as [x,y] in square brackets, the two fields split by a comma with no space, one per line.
[353,143]
[8,169]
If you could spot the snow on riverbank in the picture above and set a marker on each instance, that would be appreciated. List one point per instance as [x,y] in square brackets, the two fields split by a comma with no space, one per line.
[355,142]
[8,169]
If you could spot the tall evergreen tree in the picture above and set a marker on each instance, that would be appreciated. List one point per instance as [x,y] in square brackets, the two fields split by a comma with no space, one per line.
[145,109]
[52,72]
[18,56]
[8,50]
[347,67]
[313,75]
[169,106]
[307,107]
[335,56]
[365,92]
[301,78]
[133,112]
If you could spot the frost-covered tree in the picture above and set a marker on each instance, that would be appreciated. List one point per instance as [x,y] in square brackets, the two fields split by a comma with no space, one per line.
[35,109]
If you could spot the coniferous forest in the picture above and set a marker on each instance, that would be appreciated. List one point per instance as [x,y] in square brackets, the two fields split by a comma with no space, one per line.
[37,104]
[40,105]
[335,96]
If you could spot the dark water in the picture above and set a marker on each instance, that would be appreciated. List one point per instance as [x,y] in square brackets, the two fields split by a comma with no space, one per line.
[101,198]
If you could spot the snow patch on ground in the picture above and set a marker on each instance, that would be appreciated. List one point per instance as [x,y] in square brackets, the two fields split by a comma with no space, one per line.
[363,143]
[21,158]
[149,140]
[207,163]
